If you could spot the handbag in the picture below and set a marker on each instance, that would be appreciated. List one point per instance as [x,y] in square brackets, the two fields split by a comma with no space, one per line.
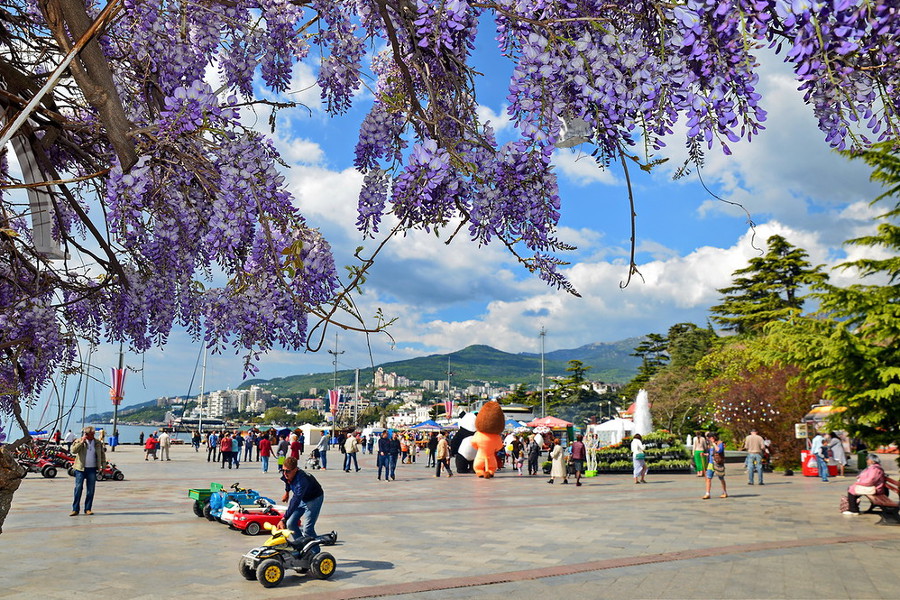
[639,456]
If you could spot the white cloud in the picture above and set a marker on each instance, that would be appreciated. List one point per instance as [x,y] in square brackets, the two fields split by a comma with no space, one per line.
[500,122]
[581,168]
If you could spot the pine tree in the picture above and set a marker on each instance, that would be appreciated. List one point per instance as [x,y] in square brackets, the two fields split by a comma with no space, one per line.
[768,289]
[852,346]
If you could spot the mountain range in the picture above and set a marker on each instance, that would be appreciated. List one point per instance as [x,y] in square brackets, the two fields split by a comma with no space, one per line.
[608,362]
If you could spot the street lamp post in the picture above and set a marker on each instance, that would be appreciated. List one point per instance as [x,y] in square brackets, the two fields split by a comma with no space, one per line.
[335,353]
[543,407]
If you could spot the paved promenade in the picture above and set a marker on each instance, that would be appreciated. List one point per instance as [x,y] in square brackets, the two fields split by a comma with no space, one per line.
[421,537]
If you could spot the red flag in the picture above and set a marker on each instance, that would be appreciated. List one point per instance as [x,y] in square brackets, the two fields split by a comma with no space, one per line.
[448,408]
[335,397]
[117,391]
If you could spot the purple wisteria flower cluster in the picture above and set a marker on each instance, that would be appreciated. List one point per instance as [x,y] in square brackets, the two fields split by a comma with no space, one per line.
[176,191]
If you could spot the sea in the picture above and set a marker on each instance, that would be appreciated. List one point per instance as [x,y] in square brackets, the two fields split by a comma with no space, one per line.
[128,434]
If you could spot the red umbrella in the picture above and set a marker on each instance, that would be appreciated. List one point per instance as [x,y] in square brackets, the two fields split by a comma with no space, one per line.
[551,422]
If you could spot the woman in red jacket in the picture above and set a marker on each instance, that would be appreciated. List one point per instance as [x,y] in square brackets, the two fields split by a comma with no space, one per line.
[150,447]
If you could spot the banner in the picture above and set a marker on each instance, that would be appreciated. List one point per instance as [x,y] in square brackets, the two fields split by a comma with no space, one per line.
[117,391]
[448,408]
[334,396]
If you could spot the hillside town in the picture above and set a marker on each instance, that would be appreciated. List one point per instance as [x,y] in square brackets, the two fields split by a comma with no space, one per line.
[407,402]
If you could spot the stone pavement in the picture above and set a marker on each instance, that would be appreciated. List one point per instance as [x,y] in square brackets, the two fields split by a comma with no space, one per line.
[421,537]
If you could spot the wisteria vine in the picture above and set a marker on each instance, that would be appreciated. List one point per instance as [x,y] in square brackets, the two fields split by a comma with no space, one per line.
[187,190]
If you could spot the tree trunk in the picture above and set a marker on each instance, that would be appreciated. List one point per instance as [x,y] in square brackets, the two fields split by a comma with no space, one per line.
[11,475]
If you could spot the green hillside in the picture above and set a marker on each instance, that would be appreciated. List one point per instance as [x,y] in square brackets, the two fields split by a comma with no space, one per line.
[609,362]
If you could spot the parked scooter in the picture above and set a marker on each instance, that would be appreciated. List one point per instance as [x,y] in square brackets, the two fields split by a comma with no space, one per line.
[268,563]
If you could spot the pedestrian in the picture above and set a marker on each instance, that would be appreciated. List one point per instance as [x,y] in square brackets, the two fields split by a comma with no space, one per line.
[578,455]
[715,465]
[384,456]
[306,499]
[755,446]
[838,456]
[413,448]
[870,480]
[301,438]
[432,447]
[351,447]
[323,449]
[700,450]
[141,439]
[284,448]
[249,445]
[150,448]
[294,448]
[394,455]
[404,449]
[237,446]
[532,453]
[820,451]
[89,456]
[212,445]
[371,443]
[195,441]
[442,456]
[70,437]
[57,437]
[557,462]
[639,459]
[225,446]
[265,450]
[164,442]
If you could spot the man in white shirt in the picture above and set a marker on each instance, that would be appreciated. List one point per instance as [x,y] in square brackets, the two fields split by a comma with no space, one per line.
[89,456]
[821,463]
[164,443]
[70,437]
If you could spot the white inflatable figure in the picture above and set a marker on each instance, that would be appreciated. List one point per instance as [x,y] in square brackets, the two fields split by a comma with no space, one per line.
[591,442]
[461,444]
[643,423]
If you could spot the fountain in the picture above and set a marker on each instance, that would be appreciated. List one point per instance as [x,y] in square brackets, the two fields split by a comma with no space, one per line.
[643,423]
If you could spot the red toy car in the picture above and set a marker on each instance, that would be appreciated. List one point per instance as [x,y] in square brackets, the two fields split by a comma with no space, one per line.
[250,520]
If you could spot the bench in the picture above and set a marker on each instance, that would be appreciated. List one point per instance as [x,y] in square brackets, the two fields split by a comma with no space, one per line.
[890,509]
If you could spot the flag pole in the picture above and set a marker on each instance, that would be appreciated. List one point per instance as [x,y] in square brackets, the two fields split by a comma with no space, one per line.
[116,401]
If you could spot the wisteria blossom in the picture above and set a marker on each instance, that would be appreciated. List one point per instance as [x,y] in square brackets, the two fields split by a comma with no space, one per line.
[164,179]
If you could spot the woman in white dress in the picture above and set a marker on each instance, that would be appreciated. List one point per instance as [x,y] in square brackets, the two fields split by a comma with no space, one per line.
[557,462]
[838,456]
[638,459]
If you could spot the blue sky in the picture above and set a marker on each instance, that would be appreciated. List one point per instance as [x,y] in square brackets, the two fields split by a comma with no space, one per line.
[446,297]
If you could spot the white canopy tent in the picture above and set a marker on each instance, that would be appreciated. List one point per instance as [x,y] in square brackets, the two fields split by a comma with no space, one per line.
[612,431]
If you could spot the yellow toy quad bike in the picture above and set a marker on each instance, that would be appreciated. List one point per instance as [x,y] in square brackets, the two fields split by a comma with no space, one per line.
[268,563]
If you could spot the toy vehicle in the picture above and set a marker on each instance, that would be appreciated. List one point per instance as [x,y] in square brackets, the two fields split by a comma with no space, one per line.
[38,465]
[251,520]
[217,501]
[110,472]
[201,497]
[267,563]
[44,458]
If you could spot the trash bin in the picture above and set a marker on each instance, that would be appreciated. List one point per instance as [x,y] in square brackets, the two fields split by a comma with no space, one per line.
[861,457]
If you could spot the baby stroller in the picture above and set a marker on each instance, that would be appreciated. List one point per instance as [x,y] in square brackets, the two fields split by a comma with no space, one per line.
[313,461]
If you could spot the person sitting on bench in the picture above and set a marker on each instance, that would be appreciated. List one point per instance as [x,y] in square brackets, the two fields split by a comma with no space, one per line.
[871,481]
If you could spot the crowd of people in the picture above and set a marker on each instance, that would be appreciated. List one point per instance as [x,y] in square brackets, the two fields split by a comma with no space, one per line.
[521,452]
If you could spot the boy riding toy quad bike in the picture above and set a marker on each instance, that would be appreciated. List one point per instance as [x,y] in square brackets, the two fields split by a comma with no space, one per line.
[268,563]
